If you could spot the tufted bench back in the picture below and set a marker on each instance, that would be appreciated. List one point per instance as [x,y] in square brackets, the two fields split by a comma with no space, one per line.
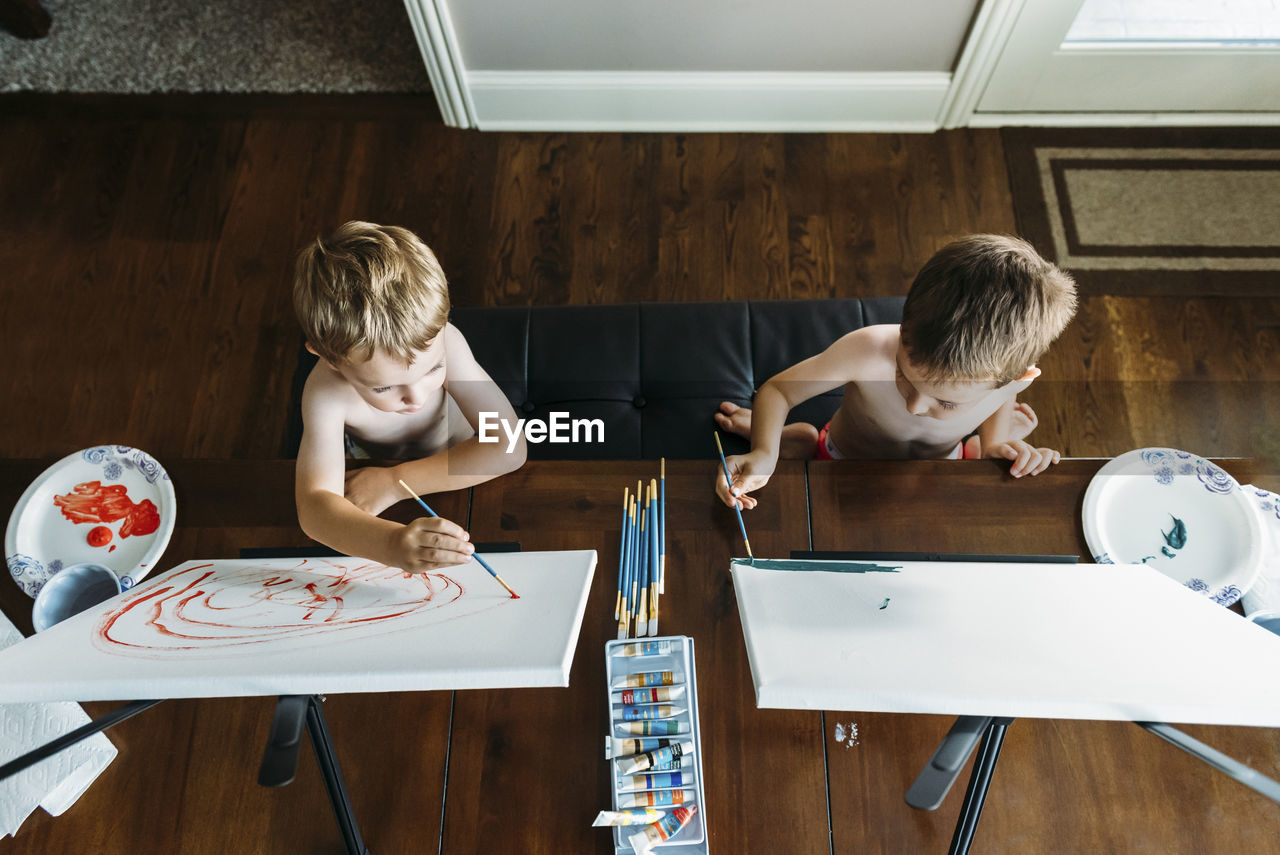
[654,373]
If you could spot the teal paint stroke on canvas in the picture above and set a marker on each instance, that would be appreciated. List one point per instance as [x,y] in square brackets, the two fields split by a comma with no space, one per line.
[818,566]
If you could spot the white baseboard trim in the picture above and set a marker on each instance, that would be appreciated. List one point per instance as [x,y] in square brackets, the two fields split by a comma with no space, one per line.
[706,101]
[1121,120]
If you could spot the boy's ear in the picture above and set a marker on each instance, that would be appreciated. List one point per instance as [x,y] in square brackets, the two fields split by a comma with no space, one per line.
[1032,373]
[313,352]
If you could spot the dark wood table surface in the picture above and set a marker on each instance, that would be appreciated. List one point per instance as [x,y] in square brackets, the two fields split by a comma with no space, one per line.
[523,770]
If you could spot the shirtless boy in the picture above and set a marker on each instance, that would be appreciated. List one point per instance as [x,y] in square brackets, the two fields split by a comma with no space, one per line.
[397,380]
[978,316]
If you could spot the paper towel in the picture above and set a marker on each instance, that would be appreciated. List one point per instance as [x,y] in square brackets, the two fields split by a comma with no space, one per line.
[55,782]
[1265,593]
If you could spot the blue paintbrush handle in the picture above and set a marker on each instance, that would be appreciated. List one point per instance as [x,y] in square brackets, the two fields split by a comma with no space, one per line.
[657,540]
[728,480]
[622,545]
[475,555]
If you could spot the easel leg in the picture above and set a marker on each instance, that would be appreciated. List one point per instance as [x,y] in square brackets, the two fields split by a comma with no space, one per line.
[984,766]
[80,734]
[318,728]
[280,760]
[1234,768]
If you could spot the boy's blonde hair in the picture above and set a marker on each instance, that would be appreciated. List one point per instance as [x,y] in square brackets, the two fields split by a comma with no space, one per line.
[367,288]
[985,307]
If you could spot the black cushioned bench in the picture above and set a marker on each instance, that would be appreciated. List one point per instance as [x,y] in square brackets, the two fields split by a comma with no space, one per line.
[653,373]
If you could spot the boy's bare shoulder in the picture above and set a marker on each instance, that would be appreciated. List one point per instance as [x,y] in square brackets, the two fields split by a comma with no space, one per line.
[326,394]
[460,362]
[866,345]
[454,340]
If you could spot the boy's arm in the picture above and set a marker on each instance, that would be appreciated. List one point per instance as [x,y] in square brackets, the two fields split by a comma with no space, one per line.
[838,364]
[995,436]
[469,462]
[329,518]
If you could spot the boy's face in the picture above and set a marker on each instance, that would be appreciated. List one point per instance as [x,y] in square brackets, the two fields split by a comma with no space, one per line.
[934,399]
[386,383]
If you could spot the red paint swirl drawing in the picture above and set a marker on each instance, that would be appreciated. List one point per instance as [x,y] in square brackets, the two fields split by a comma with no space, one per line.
[91,502]
[223,607]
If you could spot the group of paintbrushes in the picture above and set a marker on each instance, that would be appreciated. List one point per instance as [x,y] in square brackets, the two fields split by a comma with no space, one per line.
[642,563]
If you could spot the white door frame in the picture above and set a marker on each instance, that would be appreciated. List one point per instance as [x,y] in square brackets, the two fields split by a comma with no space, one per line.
[438,43]
[991,30]
[667,101]
[993,23]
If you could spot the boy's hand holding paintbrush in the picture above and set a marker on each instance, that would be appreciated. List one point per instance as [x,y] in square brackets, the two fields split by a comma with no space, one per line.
[429,543]
[750,472]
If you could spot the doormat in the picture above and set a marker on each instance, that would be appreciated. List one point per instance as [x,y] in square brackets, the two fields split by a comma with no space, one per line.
[1159,211]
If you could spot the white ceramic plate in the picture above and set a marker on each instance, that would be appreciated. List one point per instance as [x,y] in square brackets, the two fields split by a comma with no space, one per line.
[50,526]
[1264,595]
[1178,513]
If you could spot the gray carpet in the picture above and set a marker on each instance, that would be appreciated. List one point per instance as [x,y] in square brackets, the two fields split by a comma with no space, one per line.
[137,46]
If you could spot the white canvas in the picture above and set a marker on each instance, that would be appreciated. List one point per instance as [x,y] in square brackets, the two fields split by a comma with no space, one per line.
[1113,642]
[301,626]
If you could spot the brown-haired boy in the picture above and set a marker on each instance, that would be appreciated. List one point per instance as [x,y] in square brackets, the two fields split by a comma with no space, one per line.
[397,380]
[978,316]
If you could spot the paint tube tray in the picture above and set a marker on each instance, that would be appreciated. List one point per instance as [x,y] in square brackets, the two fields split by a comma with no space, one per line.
[679,660]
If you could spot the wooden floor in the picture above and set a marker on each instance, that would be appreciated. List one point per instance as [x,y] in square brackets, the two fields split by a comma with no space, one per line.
[146,250]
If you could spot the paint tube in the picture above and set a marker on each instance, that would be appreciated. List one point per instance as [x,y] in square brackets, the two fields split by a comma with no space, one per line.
[639,816]
[647,678]
[666,828]
[660,727]
[655,798]
[647,713]
[614,747]
[658,781]
[662,695]
[661,759]
[646,648]
[672,765]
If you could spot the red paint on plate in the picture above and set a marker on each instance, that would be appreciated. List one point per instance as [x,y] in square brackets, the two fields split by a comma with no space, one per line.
[99,535]
[92,502]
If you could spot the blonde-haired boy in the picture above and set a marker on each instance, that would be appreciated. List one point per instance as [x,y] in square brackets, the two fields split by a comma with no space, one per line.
[396,379]
[978,316]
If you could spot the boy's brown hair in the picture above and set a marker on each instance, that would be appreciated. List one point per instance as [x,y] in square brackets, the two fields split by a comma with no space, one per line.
[985,307]
[369,287]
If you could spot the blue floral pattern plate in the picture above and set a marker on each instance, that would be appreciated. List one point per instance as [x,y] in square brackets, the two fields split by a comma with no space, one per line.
[1179,513]
[111,504]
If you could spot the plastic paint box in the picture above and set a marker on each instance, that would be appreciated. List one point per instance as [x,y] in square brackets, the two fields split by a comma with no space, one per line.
[680,661]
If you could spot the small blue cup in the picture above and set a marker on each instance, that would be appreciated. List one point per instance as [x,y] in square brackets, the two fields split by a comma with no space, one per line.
[1269,619]
[72,590]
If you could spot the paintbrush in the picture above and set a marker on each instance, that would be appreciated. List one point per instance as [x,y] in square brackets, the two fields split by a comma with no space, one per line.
[624,619]
[622,553]
[475,555]
[728,480]
[653,560]
[642,577]
[636,544]
[662,527]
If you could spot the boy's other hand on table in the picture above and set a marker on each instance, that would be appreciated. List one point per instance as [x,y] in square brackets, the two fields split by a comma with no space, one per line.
[1027,459]
[430,543]
[750,472]
[373,489]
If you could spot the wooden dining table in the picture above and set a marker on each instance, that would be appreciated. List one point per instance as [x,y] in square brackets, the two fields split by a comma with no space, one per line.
[523,770]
